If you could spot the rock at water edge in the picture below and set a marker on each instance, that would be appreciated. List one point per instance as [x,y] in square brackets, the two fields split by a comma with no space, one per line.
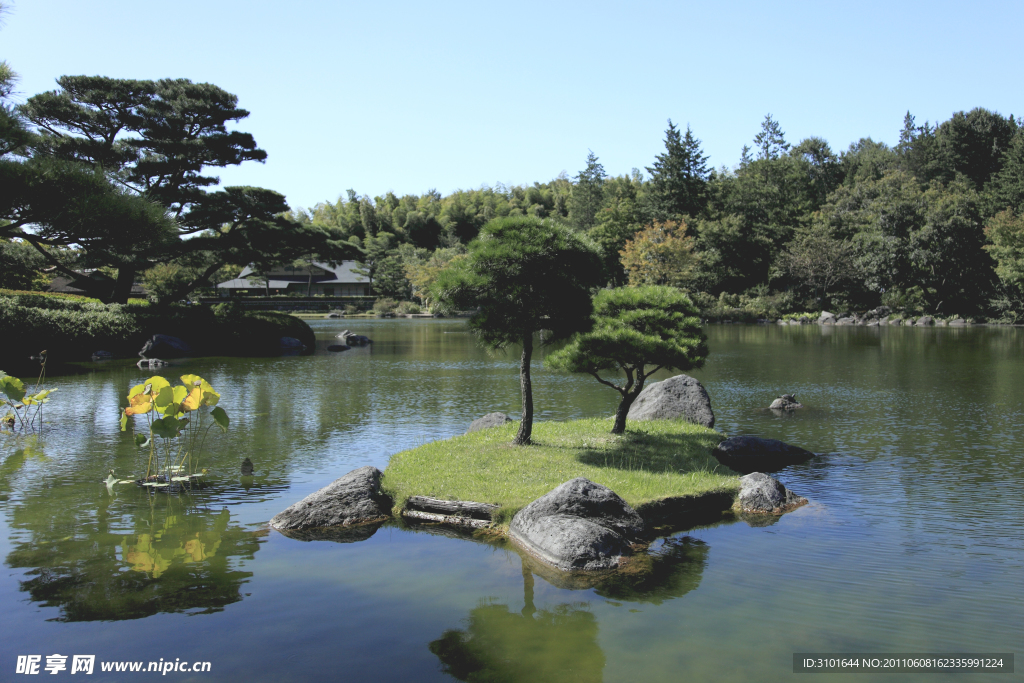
[488,421]
[579,525]
[763,494]
[355,498]
[748,454]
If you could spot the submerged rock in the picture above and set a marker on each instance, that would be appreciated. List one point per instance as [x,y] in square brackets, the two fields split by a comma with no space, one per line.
[338,347]
[748,454]
[679,396]
[353,499]
[579,525]
[760,493]
[487,421]
[786,402]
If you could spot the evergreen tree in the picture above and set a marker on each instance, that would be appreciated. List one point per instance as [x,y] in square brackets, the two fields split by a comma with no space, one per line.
[679,177]
[587,194]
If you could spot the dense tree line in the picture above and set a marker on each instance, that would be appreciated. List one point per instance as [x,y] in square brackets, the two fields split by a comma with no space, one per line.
[934,224]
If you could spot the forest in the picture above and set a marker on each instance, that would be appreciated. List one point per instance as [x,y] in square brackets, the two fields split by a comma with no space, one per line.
[113,174]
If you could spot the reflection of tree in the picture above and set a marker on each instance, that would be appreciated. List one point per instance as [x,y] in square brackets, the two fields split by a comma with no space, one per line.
[501,646]
[176,560]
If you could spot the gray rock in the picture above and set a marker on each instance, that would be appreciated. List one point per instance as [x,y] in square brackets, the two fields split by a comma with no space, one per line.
[102,355]
[957,322]
[925,320]
[353,499]
[353,339]
[579,525]
[846,321]
[748,454]
[679,396]
[166,346]
[764,494]
[487,421]
[290,343]
[786,402]
[152,363]
[826,317]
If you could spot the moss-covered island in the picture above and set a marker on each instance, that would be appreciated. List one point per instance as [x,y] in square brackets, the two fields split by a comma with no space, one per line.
[654,460]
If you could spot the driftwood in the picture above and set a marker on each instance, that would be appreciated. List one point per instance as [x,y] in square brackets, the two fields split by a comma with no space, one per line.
[446,519]
[461,508]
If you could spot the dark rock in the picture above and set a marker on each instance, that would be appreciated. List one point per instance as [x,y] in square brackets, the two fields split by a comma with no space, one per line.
[152,363]
[337,534]
[487,421]
[679,396]
[763,494]
[290,343]
[102,355]
[786,402]
[247,468]
[334,314]
[352,339]
[353,499]
[579,525]
[165,346]
[748,454]
[338,347]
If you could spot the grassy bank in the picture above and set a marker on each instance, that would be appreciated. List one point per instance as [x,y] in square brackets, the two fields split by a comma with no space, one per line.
[72,329]
[651,461]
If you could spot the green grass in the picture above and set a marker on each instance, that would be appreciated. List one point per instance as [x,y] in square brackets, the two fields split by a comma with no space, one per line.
[651,461]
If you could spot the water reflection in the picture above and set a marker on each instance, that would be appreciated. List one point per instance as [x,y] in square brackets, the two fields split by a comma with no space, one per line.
[173,558]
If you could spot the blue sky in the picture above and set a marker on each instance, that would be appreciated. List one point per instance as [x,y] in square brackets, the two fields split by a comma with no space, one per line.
[408,96]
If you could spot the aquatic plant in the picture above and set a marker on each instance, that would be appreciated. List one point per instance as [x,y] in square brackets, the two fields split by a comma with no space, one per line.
[24,407]
[176,426]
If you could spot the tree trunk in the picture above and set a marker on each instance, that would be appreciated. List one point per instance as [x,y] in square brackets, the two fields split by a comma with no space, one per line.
[123,285]
[526,424]
[309,285]
[629,394]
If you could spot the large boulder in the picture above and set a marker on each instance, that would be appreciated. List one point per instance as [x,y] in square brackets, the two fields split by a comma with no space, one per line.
[925,320]
[579,525]
[353,499]
[760,493]
[165,346]
[679,396]
[748,454]
[487,421]
[827,318]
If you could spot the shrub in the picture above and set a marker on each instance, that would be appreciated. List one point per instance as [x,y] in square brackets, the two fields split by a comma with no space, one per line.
[384,305]
[407,307]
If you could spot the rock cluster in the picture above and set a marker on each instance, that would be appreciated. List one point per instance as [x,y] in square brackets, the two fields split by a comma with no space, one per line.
[579,525]
[679,396]
[352,339]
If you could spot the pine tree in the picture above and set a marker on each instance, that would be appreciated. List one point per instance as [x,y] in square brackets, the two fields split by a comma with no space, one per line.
[679,177]
[587,194]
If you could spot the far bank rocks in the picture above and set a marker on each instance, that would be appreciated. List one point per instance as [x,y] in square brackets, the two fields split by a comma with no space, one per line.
[761,494]
[679,396]
[749,454]
[579,525]
[353,499]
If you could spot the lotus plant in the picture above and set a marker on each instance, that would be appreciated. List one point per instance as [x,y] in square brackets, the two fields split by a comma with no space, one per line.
[175,430]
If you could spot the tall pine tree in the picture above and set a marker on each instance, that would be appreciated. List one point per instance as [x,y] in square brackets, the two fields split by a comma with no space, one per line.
[679,177]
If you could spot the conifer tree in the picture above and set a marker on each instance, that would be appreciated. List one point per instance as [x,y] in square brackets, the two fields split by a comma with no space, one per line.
[679,177]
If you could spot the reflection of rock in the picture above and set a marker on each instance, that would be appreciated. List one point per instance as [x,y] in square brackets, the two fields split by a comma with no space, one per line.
[502,646]
[247,468]
[338,347]
[687,510]
[786,402]
[355,498]
[679,396]
[577,525]
[763,494]
[487,421]
[753,454]
[186,562]
[335,534]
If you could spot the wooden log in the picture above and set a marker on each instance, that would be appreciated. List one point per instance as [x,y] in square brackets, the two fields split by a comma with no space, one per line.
[466,508]
[446,519]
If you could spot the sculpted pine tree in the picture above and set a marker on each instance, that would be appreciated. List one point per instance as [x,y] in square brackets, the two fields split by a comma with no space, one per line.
[522,275]
[637,331]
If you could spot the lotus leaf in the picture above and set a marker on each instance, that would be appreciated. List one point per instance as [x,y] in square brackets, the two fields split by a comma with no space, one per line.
[220,416]
[12,387]
[193,400]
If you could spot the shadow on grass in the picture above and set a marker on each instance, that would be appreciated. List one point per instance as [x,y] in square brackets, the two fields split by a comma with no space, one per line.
[634,451]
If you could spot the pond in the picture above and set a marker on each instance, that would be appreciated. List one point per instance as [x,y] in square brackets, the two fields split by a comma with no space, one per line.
[913,541]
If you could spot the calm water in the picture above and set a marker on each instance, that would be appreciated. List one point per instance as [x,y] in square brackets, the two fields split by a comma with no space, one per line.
[913,540]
